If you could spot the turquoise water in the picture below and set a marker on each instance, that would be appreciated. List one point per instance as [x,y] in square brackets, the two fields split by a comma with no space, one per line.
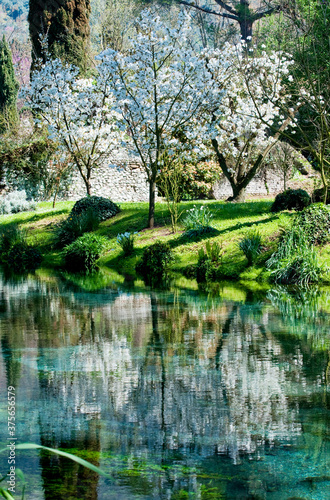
[178,394]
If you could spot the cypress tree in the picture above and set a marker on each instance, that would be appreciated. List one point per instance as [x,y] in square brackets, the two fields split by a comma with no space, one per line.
[65,23]
[8,88]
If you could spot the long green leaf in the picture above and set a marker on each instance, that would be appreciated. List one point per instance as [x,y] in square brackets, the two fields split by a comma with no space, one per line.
[81,461]
[6,494]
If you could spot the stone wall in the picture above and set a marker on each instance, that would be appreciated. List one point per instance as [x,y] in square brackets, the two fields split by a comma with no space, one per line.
[119,183]
[129,183]
[263,184]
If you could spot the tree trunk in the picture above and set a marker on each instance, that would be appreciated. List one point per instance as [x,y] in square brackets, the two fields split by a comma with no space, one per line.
[152,197]
[55,195]
[239,193]
[246,26]
[88,187]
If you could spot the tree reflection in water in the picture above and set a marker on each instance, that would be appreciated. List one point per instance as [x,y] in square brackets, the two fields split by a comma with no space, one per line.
[168,378]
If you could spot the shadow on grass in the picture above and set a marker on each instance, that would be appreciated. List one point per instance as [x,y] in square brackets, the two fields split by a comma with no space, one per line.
[121,224]
[184,239]
[245,209]
[34,217]
[137,220]
[241,225]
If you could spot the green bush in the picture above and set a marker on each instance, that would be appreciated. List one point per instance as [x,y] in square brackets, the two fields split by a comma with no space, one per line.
[315,221]
[195,180]
[22,258]
[251,246]
[291,199]
[76,225]
[154,262]
[15,252]
[104,208]
[9,236]
[208,262]
[206,270]
[83,253]
[318,196]
[295,260]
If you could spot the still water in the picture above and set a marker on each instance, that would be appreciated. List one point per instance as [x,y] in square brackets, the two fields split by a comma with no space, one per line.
[175,394]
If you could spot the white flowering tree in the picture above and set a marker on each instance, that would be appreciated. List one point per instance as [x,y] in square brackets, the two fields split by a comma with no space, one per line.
[78,113]
[159,87]
[240,116]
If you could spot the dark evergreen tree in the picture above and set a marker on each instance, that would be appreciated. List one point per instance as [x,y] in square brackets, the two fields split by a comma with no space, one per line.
[65,26]
[8,88]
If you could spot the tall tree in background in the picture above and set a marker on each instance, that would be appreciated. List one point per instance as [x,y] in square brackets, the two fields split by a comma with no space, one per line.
[66,24]
[240,11]
[8,88]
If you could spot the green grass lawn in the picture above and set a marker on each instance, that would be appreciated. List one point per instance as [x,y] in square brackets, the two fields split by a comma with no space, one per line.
[231,222]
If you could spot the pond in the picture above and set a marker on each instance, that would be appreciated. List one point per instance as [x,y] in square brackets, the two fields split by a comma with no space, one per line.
[174,394]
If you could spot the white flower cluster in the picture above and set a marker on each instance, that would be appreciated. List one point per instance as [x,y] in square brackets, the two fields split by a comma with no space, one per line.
[159,87]
[247,95]
[78,112]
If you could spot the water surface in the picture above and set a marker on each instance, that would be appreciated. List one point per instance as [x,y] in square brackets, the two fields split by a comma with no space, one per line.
[178,394]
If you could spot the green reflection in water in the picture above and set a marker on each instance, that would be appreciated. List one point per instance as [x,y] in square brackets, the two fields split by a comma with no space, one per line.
[177,394]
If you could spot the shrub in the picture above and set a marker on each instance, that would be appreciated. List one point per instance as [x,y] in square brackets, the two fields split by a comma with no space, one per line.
[251,246]
[23,258]
[126,241]
[76,225]
[197,221]
[104,208]
[208,262]
[295,260]
[315,221]
[15,252]
[291,199]
[9,236]
[319,195]
[154,262]
[15,202]
[195,180]
[83,253]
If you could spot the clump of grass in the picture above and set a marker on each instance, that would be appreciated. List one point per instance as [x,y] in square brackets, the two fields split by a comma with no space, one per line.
[197,221]
[295,260]
[126,241]
[251,246]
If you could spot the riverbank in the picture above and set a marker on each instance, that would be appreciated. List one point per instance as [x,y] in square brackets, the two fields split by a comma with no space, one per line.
[231,222]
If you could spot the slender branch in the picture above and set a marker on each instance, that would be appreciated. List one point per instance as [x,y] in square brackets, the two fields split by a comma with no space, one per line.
[260,15]
[225,6]
[209,11]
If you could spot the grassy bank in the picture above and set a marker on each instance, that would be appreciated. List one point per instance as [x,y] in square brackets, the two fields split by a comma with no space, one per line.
[231,222]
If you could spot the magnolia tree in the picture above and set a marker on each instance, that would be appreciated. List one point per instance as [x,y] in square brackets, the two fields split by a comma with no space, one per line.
[159,86]
[237,122]
[79,115]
